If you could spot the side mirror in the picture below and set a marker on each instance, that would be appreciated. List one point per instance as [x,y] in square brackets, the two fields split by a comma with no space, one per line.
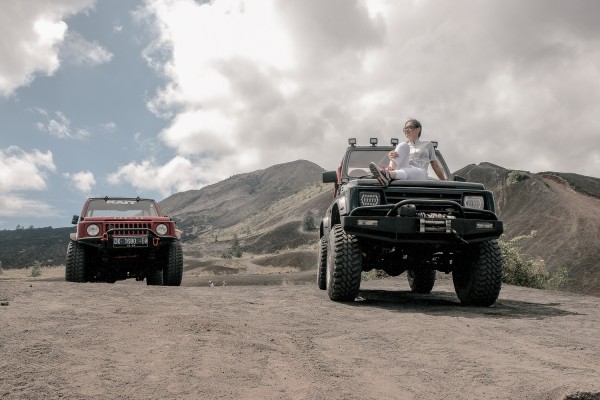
[330,177]
[75,219]
[458,178]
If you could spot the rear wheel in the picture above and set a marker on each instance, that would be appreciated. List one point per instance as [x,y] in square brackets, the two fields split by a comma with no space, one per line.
[479,280]
[421,280]
[173,271]
[344,265]
[75,268]
[322,267]
[154,277]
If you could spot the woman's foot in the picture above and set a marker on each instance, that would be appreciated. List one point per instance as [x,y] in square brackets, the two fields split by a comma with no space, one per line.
[381,174]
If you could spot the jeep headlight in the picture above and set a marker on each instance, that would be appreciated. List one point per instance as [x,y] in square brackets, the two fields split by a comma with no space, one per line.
[161,229]
[369,198]
[474,202]
[92,229]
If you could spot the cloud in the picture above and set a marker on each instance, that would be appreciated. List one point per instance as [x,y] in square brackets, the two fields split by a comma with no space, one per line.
[82,181]
[247,82]
[275,81]
[24,171]
[177,175]
[60,126]
[109,126]
[12,205]
[77,50]
[32,31]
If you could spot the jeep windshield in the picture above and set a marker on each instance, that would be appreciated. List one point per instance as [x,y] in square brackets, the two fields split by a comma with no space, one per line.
[357,163]
[121,208]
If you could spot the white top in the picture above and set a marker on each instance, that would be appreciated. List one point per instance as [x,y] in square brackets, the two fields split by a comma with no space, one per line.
[421,154]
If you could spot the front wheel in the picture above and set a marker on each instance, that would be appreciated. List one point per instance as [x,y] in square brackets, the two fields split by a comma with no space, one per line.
[75,268]
[173,270]
[344,265]
[479,280]
[421,280]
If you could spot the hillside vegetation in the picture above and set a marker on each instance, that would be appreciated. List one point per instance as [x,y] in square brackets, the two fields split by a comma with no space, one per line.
[22,248]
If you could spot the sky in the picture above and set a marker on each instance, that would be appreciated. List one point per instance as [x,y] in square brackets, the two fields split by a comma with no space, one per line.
[153,97]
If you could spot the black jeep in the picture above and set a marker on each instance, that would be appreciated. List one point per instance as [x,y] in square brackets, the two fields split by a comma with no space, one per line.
[415,226]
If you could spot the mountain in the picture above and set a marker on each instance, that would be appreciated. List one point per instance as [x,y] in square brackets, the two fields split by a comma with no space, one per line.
[561,208]
[240,197]
[266,211]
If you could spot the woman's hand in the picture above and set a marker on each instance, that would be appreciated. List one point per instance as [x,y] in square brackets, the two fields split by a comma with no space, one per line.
[392,155]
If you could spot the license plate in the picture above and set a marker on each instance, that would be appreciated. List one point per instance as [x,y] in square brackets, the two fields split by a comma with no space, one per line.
[130,241]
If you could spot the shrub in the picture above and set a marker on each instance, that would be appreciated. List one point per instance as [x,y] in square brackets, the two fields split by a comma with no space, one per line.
[373,275]
[36,269]
[526,272]
[517,176]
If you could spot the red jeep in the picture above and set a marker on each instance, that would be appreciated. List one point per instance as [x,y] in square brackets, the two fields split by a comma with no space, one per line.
[120,238]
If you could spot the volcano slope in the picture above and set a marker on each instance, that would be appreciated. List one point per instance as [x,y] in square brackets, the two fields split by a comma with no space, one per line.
[561,209]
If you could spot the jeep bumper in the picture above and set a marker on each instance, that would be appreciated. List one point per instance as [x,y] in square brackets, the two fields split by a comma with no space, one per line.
[109,240]
[423,230]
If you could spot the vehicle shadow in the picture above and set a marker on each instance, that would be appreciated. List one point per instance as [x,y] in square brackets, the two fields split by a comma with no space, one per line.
[446,303]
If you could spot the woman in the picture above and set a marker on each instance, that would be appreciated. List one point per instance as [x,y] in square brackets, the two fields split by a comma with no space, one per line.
[410,160]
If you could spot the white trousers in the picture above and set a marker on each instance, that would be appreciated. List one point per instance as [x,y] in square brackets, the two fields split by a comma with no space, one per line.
[403,170]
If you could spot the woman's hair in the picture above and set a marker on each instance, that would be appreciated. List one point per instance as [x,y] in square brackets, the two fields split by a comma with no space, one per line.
[416,124]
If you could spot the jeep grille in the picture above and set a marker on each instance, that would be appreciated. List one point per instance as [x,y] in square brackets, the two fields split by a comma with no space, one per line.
[395,197]
[128,228]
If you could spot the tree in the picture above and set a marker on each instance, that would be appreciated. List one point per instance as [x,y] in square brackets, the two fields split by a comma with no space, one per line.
[309,223]
[235,249]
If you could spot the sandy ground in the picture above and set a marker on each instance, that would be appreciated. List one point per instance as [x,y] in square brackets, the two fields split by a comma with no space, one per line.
[279,337]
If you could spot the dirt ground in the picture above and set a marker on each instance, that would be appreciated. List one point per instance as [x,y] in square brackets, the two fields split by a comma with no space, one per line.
[277,336]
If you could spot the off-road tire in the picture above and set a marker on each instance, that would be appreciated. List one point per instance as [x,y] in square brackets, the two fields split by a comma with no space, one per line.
[173,270]
[322,266]
[154,278]
[75,266]
[421,280]
[478,281]
[344,265]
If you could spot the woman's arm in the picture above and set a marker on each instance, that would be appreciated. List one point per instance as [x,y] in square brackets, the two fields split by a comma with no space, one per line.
[392,155]
[439,171]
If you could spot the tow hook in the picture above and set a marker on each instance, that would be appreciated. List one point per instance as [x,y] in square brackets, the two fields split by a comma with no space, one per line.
[155,241]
